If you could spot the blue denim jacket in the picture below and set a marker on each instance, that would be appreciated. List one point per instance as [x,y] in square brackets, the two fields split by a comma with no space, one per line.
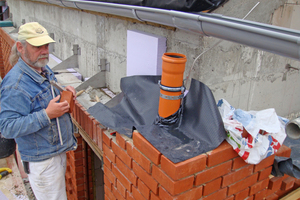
[25,95]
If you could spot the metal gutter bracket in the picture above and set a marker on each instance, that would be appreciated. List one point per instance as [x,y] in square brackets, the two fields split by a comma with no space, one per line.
[71,62]
[96,81]
[104,66]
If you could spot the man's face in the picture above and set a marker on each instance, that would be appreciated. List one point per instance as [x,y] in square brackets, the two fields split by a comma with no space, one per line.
[36,57]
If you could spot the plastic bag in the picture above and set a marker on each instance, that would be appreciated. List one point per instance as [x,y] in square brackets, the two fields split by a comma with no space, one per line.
[254,135]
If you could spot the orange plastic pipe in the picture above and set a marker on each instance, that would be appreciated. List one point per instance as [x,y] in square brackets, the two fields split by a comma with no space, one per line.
[173,65]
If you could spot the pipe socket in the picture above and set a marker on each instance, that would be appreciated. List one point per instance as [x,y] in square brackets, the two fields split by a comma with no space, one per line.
[292,129]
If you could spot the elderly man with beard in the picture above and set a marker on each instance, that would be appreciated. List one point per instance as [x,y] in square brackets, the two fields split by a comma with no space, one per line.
[29,111]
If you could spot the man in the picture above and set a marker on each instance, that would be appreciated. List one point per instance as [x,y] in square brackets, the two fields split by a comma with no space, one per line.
[29,111]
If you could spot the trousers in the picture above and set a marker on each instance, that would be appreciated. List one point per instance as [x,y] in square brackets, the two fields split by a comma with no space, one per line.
[47,178]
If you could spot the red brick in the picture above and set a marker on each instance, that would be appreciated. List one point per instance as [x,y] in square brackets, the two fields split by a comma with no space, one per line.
[220,194]
[243,184]
[282,193]
[120,140]
[284,151]
[238,163]
[95,123]
[264,163]
[84,121]
[297,183]
[287,183]
[212,186]
[193,194]
[146,147]
[76,111]
[260,195]
[127,172]
[121,189]
[129,148]
[117,194]
[81,115]
[213,173]
[90,127]
[109,193]
[242,195]
[106,138]
[107,162]
[221,154]
[173,187]
[275,183]
[109,175]
[153,196]
[99,131]
[184,168]
[129,196]
[259,186]
[142,160]
[107,182]
[230,198]
[264,173]
[121,153]
[272,197]
[250,198]
[108,152]
[137,195]
[237,175]
[143,188]
[145,177]
[122,178]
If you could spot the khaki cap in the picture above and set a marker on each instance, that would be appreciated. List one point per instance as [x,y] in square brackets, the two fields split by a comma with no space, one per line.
[34,34]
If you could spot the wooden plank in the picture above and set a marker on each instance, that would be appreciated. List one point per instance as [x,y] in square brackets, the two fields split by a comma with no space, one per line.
[294,195]
[89,140]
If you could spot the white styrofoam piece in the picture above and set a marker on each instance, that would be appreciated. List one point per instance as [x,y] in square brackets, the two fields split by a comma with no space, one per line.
[76,74]
[144,52]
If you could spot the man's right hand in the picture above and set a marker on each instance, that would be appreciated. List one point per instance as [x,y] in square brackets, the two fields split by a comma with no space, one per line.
[55,109]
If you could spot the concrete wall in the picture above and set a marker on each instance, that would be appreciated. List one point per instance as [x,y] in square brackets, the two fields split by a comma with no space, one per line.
[247,78]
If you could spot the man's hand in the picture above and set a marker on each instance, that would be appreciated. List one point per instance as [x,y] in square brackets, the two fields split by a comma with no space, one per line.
[71,89]
[55,109]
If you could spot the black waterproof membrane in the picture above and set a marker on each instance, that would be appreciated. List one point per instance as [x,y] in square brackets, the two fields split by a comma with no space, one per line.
[199,127]
[291,165]
[180,5]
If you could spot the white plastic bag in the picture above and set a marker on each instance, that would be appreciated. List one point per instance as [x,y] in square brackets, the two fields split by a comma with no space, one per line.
[265,131]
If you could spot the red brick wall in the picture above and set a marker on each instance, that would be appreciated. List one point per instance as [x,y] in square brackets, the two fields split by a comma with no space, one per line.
[6,42]
[134,169]
[79,180]
[139,171]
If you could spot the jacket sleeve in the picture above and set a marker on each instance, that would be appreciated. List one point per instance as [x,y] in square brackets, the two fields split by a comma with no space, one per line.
[16,118]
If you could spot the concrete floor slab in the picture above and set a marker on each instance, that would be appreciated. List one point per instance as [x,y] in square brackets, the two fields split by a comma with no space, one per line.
[12,186]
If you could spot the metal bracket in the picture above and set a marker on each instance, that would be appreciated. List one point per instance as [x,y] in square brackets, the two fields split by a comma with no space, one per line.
[171,97]
[136,16]
[71,62]
[96,81]
[51,45]
[104,66]
[171,89]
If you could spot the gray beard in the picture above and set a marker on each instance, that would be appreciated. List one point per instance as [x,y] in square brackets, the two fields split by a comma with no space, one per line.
[37,63]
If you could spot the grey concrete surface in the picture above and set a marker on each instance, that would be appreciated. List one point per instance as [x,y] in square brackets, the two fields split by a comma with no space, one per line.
[12,186]
[247,78]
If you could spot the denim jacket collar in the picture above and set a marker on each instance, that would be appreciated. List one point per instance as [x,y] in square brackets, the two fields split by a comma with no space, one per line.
[32,72]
